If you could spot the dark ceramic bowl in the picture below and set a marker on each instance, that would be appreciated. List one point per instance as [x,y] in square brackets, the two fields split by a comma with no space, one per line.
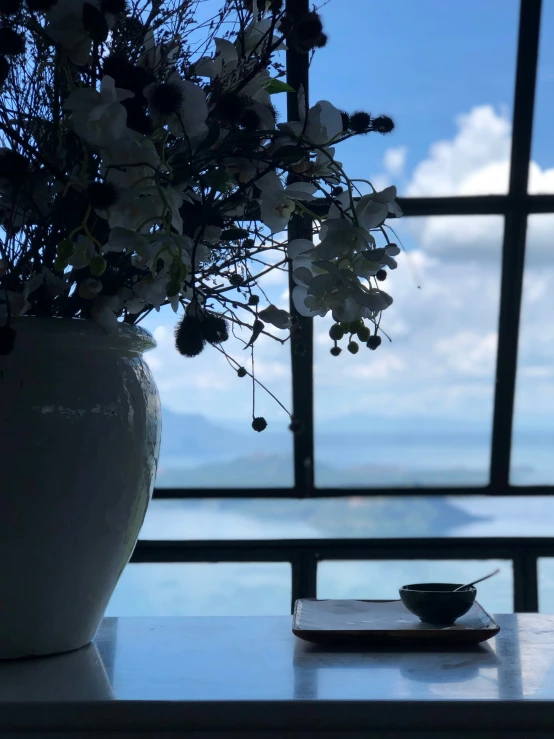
[436,603]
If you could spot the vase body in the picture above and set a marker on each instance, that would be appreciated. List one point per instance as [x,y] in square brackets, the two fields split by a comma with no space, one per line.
[80,424]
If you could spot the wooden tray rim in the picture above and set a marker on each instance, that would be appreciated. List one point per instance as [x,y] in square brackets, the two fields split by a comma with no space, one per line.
[387,636]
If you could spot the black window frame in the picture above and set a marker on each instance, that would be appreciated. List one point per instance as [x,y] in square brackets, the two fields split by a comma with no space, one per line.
[515,206]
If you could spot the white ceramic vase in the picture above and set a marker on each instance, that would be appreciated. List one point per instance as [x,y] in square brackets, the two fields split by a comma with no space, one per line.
[80,424]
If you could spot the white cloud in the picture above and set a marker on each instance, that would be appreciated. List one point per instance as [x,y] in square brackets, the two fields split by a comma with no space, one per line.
[475,156]
[394,160]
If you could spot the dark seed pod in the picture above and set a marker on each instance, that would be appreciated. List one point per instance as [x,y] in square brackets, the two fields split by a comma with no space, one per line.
[188,337]
[259,423]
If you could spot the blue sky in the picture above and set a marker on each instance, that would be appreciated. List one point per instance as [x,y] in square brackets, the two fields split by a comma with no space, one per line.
[445,72]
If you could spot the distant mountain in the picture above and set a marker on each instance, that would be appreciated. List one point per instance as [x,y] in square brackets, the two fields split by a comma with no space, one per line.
[194,435]
[411,453]
[266,470]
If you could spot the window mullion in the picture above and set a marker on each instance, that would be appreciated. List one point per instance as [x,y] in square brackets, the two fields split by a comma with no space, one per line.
[302,331]
[513,254]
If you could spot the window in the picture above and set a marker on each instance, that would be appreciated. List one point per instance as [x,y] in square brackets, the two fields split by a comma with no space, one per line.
[444,479]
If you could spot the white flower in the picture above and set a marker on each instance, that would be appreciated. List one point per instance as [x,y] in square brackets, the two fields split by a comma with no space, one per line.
[341,238]
[256,37]
[53,285]
[323,286]
[152,289]
[277,203]
[132,162]
[255,88]
[325,167]
[98,117]
[276,316]
[65,27]
[322,125]
[104,311]
[140,209]
[137,210]
[123,240]
[156,54]
[222,65]
[370,210]
[164,246]
[369,262]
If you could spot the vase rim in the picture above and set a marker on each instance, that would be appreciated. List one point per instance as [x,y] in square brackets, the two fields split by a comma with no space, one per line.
[83,332]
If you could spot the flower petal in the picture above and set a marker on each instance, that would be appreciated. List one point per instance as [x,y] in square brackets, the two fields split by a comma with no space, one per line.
[298,246]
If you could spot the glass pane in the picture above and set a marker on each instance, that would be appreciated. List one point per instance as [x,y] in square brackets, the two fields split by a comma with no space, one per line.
[541,172]
[223,589]
[418,411]
[346,518]
[444,71]
[207,438]
[381,580]
[533,436]
[546,584]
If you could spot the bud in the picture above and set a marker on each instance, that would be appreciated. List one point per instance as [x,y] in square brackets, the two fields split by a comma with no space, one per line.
[236,280]
[353,347]
[97,265]
[89,288]
[259,423]
[241,372]
[360,122]
[336,332]
[214,329]
[102,195]
[65,249]
[373,342]
[165,98]
[172,288]
[250,120]
[230,107]
[383,124]
[363,334]
[381,275]
[253,300]
[188,337]
[335,351]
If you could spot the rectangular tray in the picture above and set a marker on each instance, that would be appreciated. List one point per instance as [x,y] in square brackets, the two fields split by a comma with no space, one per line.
[384,623]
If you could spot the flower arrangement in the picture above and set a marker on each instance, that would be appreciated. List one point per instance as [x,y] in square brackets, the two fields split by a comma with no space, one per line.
[143,164]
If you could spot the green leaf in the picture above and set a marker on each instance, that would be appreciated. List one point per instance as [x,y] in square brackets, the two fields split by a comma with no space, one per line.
[95,23]
[233,234]
[289,154]
[275,86]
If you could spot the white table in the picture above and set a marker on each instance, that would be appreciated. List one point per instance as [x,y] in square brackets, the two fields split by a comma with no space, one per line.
[249,678]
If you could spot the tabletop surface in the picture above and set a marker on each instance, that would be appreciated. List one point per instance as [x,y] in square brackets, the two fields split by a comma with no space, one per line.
[248,661]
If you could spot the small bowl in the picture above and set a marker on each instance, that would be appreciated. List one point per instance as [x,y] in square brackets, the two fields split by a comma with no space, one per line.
[436,603]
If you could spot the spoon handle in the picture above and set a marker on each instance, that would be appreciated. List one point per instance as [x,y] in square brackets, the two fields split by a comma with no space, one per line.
[479,580]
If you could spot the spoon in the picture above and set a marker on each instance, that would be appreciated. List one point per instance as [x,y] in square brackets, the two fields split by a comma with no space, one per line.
[462,587]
